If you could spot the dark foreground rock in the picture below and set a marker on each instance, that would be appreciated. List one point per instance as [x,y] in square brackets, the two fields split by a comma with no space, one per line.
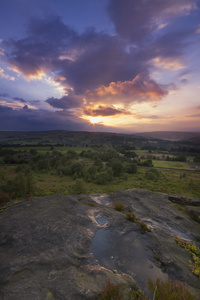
[67,247]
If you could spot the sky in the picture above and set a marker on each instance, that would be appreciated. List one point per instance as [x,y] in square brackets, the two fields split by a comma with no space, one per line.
[100,65]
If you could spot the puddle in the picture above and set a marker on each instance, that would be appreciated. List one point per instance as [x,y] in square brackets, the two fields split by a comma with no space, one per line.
[171,229]
[126,254]
[100,219]
[102,199]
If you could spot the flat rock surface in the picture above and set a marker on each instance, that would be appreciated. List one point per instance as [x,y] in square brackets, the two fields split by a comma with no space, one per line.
[68,247]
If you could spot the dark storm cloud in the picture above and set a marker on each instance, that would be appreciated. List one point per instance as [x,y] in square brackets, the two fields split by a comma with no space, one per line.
[86,60]
[45,42]
[135,20]
[66,102]
[27,119]
[103,60]
[5,109]
[104,111]
[171,44]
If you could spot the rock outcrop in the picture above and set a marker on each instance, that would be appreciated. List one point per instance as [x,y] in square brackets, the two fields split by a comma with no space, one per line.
[68,247]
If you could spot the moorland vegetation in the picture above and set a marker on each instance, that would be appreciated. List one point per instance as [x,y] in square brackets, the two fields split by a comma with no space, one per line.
[36,171]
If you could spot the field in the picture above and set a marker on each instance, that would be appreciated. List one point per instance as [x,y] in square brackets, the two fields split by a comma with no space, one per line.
[65,170]
[171,165]
[176,181]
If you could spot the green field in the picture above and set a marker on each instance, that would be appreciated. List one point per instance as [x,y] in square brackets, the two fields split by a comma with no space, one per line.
[171,164]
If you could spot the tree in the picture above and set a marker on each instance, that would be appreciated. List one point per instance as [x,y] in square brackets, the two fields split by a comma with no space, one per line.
[131,168]
[78,187]
[117,167]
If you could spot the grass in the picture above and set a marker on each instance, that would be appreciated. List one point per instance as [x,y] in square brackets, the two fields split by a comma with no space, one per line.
[132,218]
[171,164]
[160,290]
[169,290]
[119,206]
[111,291]
[195,253]
[169,182]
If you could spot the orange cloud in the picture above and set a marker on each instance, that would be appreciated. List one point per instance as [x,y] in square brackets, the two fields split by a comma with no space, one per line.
[141,86]
[104,111]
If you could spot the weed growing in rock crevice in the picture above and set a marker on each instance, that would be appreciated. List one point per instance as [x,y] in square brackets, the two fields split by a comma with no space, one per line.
[119,206]
[132,218]
[194,251]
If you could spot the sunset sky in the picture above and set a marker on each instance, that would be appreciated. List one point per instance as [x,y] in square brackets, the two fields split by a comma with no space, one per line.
[100,65]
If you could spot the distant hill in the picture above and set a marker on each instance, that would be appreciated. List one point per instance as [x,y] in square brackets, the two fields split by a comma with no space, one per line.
[171,135]
[68,138]
[145,140]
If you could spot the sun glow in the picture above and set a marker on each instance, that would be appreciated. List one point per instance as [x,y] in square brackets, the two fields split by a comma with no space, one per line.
[95,120]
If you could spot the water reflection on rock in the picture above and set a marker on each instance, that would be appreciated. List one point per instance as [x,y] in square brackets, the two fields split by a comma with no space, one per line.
[126,254]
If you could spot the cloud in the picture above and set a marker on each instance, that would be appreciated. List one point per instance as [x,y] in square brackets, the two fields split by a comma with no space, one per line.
[4,95]
[5,109]
[19,99]
[25,107]
[46,40]
[104,111]
[184,81]
[6,76]
[2,52]
[102,74]
[141,88]
[28,119]
[135,20]
[81,61]
[66,102]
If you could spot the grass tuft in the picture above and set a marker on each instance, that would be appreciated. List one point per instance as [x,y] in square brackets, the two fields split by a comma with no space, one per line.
[119,206]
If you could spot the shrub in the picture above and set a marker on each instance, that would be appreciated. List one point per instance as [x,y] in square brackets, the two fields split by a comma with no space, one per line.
[4,197]
[104,177]
[131,168]
[111,292]
[146,163]
[152,174]
[117,167]
[78,187]
[119,206]
[170,290]
[160,290]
